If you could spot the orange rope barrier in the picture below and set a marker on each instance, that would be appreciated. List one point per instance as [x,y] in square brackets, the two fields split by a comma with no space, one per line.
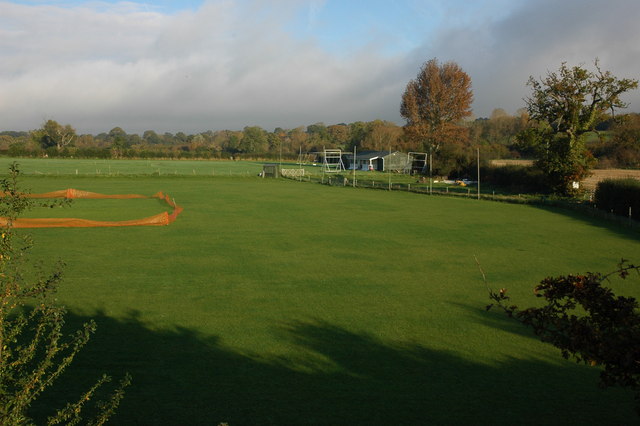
[161,219]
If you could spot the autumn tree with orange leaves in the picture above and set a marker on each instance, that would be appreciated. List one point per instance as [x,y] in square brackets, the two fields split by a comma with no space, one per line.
[434,104]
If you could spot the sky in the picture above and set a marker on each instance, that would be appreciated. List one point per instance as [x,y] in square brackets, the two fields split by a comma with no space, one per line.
[196,65]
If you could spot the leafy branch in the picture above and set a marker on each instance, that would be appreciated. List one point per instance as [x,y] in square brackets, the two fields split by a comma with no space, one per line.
[587,322]
[34,350]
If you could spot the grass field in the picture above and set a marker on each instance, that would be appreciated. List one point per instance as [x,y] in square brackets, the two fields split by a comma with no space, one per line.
[205,168]
[104,168]
[280,302]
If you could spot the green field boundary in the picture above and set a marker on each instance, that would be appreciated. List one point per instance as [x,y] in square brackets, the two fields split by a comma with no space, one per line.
[99,168]
[581,206]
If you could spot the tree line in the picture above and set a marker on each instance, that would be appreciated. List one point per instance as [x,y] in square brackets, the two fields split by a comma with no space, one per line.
[57,140]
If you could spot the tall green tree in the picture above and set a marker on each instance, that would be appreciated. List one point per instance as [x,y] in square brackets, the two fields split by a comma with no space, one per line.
[565,105]
[623,148]
[151,137]
[381,136]
[319,136]
[434,104]
[34,350]
[254,140]
[53,134]
[357,133]
[339,134]
[119,141]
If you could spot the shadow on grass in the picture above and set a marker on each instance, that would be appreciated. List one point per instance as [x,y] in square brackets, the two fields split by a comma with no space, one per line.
[495,318]
[615,224]
[343,378]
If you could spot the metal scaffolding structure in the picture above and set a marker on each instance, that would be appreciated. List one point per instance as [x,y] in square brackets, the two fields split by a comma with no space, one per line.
[332,161]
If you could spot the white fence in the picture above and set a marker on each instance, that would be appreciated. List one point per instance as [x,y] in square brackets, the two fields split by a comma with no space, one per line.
[292,172]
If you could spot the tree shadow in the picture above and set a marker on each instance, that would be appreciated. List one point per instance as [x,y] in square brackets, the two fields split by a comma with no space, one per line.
[495,318]
[341,378]
[617,225]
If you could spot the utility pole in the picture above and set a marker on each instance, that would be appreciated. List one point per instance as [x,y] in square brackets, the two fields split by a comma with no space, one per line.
[354,166]
[324,159]
[478,172]
[384,163]
[430,167]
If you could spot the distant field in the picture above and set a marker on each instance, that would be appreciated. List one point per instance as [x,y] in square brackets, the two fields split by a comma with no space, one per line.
[602,174]
[589,183]
[219,168]
[203,168]
[280,302]
[507,162]
[56,167]
[226,168]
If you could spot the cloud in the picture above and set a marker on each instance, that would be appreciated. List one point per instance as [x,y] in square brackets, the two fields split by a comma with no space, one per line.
[225,65]
[537,37]
[232,63]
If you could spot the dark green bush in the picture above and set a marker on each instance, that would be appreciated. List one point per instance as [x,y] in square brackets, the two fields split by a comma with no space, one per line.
[527,179]
[618,195]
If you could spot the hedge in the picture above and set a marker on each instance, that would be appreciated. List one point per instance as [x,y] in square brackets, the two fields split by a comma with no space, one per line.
[618,196]
[528,179]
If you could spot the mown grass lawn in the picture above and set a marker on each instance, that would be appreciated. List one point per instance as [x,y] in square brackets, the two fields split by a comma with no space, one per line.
[103,168]
[279,302]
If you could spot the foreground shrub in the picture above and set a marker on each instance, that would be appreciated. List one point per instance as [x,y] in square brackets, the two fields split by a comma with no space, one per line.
[34,349]
[587,322]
